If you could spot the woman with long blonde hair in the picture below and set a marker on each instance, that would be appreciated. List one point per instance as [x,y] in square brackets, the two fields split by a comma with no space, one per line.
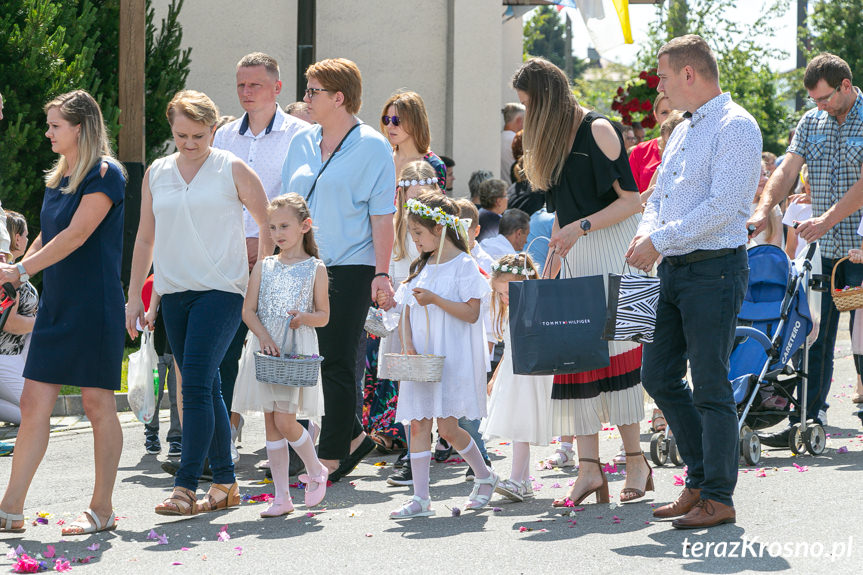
[78,335]
[579,159]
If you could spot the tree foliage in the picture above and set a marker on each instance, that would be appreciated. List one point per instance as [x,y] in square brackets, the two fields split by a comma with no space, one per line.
[742,51]
[836,26]
[49,47]
[545,35]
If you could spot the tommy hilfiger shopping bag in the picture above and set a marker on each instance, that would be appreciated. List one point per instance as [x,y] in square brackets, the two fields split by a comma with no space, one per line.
[632,301]
[556,325]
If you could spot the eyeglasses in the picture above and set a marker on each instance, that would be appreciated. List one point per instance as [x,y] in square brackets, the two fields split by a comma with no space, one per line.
[823,99]
[387,119]
[311,92]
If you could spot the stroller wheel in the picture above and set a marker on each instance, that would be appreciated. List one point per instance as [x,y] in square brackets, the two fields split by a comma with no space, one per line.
[673,454]
[750,448]
[815,439]
[658,449]
[795,440]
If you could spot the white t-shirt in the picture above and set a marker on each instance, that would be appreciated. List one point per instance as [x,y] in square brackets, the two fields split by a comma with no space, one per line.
[798,213]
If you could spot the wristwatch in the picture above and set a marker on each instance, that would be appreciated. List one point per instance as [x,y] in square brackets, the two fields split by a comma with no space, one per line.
[23,276]
[585,225]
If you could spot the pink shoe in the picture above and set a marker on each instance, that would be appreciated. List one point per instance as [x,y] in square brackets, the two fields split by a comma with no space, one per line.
[278,509]
[316,486]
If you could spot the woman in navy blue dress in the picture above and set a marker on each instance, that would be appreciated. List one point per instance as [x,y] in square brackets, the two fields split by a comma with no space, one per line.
[79,333]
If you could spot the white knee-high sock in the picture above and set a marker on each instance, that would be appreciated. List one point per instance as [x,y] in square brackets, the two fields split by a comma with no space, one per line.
[306,450]
[420,463]
[279,456]
[474,458]
[520,461]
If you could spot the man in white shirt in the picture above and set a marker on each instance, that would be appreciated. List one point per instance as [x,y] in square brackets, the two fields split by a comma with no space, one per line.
[260,138]
[513,121]
[262,135]
[512,234]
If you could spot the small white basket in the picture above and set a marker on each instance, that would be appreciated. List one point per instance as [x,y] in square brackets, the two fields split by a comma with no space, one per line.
[375,323]
[426,368]
[295,370]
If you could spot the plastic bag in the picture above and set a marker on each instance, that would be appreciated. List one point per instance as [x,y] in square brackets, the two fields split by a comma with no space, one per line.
[143,377]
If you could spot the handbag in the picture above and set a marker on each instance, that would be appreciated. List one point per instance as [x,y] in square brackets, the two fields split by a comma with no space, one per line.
[143,378]
[632,302]
[555,325]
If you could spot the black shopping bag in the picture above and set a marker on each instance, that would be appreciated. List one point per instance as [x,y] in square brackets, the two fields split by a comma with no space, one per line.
[556,325]
[632,302]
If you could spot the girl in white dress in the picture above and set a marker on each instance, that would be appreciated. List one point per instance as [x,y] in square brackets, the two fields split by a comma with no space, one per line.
[520,407]
[287,292]
[446,284]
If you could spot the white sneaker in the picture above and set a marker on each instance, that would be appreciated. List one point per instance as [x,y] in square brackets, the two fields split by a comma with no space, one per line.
[822,417]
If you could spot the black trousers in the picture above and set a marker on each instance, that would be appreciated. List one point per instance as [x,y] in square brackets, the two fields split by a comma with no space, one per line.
[338,342]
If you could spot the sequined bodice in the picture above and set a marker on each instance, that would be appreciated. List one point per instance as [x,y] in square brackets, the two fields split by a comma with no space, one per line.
[286,287]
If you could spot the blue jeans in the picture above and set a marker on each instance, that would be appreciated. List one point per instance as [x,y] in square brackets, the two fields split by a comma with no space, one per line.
[200,326]
[696,318]
[821,353]
[169,377]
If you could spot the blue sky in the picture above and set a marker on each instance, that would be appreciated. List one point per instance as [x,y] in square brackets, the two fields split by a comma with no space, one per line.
[642,15]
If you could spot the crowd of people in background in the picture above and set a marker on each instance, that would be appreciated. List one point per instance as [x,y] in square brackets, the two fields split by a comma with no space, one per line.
[360,215]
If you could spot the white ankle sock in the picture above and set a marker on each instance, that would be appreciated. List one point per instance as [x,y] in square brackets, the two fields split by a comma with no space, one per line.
[420,469]
[279,456]
[474,458]
[306,450]
[520,461]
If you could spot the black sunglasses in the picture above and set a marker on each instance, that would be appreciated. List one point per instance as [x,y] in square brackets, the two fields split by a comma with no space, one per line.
[387,119]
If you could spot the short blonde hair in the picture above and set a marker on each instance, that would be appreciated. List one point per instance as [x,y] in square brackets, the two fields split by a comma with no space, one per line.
[196,106]
[339,75]
[260,59]
[690,50]
[412,117]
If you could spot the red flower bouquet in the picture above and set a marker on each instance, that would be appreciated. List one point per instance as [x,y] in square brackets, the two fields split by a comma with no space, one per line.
[634,100]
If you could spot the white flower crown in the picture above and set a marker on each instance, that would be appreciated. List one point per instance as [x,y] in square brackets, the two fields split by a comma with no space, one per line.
[423,182]
[439,216]
[512,269]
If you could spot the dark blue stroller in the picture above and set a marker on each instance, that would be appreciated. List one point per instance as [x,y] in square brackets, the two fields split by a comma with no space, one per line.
[768,362]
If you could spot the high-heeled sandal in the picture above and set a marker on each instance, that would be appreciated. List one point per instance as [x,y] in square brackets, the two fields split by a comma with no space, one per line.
[657,421]
[635,492]
[7,519]
[181,502]
[601,491]
[477,501]
[210,503]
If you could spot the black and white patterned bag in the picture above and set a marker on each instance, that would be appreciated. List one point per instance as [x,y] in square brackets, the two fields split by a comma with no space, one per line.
[632,301]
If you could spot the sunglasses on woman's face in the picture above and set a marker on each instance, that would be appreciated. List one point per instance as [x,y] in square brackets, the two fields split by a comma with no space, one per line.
[387,119]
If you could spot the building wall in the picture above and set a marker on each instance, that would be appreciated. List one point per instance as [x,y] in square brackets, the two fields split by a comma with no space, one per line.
[396,44]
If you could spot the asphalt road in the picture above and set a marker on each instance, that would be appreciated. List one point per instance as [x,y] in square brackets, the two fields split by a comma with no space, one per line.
[804,511]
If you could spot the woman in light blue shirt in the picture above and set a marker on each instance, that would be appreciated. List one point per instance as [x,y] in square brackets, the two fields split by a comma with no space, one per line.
[345,171]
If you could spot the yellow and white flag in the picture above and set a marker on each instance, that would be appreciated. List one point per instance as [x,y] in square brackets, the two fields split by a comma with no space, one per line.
[607,22]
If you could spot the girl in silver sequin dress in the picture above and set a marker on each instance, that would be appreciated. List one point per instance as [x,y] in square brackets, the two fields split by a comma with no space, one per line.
[286,292]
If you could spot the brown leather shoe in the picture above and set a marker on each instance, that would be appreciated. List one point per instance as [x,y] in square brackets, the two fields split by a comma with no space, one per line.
[685,501]
[706,513]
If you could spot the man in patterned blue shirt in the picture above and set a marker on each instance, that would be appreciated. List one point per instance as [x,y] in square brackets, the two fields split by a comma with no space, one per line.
[829,138]
[696,219]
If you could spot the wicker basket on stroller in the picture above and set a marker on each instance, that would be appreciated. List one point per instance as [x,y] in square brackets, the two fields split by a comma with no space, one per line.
[426,368]
[295,370]
[845,299]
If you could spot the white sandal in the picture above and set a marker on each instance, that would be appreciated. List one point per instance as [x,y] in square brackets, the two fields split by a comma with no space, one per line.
[512,490]
[477,501]
[7,519]
[86,527]
[528,489]
[406,512]
[562,458]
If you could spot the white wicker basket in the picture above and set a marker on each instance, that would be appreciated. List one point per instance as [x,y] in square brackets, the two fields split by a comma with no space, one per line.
[425,367]
[295,370]
[375,323]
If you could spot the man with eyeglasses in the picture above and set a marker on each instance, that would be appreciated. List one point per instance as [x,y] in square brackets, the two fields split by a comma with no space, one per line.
[829,139]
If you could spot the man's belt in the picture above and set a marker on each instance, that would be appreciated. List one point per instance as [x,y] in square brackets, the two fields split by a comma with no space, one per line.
[701,255]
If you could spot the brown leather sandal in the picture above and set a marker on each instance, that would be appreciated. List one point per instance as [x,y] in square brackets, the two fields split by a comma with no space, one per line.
[601,491]
[632,493]
[231,498]
[181,502]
